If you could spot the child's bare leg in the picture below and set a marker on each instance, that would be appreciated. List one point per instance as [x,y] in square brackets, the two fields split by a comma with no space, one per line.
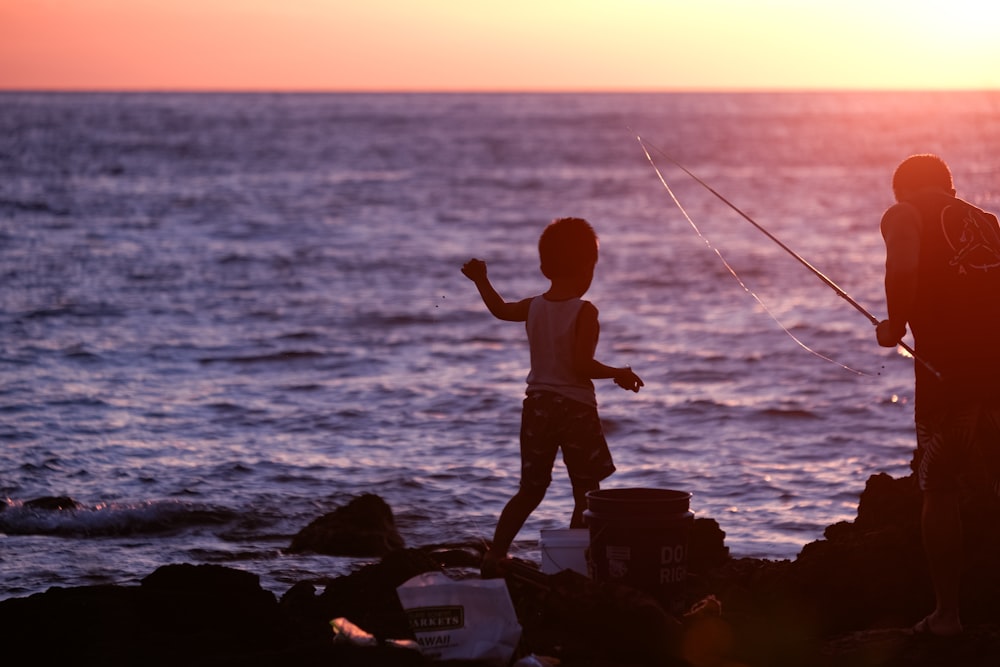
[580,490]
[514,514]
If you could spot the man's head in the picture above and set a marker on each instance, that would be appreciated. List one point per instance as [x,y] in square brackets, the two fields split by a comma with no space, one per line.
[921,172]
[567,248]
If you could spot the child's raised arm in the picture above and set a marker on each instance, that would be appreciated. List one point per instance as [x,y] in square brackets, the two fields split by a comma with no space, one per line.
[510,311]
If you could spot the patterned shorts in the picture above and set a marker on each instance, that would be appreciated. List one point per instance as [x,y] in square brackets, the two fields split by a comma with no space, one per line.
[550,422]
[960,449]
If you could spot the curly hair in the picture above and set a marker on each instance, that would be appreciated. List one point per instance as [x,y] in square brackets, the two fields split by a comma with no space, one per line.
[567,247]
[921,171]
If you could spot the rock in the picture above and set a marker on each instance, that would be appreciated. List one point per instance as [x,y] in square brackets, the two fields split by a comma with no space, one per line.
[706,548]
[52,503]
[190,615]
[889,502]
[845,601]
[363,527]
[568,616]
[367,597]
[861,584]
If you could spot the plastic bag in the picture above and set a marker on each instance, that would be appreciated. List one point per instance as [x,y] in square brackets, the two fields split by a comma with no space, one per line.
[469,619]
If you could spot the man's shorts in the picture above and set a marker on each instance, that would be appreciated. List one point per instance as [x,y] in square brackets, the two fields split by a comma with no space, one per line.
[959,449]
[550,422]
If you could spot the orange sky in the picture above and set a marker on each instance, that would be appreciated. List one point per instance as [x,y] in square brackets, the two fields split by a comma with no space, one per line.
[498,45]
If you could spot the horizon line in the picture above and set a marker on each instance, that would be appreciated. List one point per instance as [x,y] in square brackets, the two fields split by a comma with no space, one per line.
[490,91]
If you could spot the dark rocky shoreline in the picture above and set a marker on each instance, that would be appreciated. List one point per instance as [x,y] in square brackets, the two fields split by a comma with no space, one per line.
[845,601]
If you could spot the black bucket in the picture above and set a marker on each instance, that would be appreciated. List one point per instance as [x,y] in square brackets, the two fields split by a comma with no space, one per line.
[639,537]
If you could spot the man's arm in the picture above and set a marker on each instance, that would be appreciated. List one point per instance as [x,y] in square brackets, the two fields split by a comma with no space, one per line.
[901,232]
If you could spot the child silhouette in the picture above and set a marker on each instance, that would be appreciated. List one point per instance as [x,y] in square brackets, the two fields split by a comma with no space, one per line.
[560,406]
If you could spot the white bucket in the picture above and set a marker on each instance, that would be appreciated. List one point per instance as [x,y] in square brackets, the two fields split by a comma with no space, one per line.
[565,549]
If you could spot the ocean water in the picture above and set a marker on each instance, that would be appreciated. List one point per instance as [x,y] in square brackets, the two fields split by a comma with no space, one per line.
[224,315]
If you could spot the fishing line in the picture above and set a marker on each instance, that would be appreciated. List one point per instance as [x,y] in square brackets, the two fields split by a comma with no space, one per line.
[819,274]
[732,271]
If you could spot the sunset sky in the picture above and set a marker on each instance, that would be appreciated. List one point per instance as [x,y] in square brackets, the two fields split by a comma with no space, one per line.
[491,45]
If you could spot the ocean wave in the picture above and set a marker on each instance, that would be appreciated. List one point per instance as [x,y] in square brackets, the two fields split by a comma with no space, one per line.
[289,355]
[789,413]
[31,206]
[64,517]
[75,310]
[237,317]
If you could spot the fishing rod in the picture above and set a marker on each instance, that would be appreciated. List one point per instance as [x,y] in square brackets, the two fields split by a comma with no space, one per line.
[819,274]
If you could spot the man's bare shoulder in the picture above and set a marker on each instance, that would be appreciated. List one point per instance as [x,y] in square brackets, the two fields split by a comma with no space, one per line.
[901,218]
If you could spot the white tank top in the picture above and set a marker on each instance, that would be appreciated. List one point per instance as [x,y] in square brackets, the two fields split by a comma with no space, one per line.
[551,328]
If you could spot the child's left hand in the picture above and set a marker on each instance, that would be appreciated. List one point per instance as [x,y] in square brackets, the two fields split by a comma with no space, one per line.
[627,379]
